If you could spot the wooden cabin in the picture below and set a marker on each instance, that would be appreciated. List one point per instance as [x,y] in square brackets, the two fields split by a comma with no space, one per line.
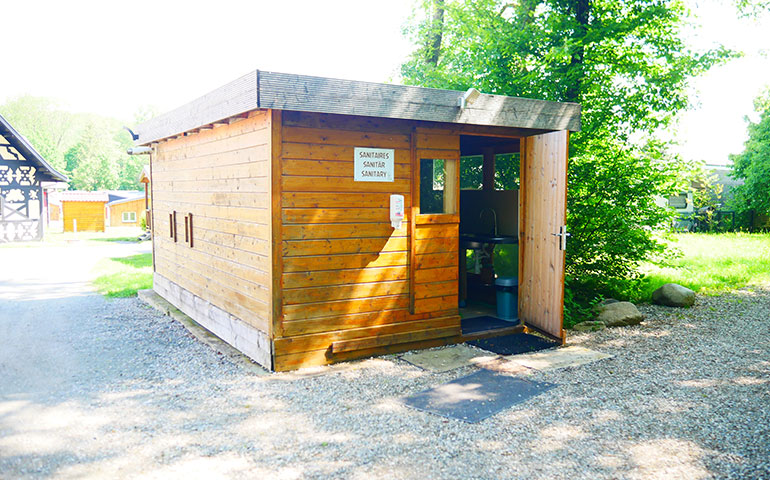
[84,211]
[126,212]
[309,220]
[22,172]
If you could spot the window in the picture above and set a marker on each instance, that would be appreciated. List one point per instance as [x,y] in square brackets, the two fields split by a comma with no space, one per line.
[507,171]
[438,181]
[471,172]
[678,201]
[129,217]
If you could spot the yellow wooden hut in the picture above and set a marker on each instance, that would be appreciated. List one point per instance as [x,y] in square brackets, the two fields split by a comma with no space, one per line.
[84,211]
[310,220]
[126,212]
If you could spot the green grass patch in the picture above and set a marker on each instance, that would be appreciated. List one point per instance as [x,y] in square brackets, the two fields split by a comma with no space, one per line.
[117,239]
[121,277]
[711,263]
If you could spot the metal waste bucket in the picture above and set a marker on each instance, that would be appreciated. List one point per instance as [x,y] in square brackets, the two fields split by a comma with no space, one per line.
[507,297]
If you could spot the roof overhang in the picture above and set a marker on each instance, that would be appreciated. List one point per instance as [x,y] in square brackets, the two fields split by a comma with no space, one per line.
[124,200]
[282,91]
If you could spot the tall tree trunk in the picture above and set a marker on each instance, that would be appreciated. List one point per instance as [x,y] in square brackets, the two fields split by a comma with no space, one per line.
[580,9]
[433,43]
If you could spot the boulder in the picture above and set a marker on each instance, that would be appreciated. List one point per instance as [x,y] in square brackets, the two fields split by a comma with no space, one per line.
[589,326]
[619,314]
[606,301]
[673,295]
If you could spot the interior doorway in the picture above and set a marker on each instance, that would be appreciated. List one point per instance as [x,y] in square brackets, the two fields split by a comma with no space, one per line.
[489,230]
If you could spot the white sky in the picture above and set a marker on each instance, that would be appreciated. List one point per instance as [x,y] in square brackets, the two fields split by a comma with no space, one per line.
[114,57]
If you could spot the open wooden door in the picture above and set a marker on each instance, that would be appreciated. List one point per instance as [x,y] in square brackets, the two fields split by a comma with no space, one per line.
[542,232]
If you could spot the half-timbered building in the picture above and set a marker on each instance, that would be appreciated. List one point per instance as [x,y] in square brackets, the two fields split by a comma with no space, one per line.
[22,172]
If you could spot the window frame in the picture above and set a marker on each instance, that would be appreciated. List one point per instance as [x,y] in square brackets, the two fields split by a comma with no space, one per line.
[131,214]
[451,185]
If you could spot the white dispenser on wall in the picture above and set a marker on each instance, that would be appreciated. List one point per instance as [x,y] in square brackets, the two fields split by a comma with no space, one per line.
[396,210]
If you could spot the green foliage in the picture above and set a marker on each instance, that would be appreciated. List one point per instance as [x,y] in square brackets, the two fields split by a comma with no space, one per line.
[50,130]
[507,171]
[753,164]
[124,276]
[707,201]
[626,63]
[89,148]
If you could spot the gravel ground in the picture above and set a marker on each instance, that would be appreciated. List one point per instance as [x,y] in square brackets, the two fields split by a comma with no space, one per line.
[116,390]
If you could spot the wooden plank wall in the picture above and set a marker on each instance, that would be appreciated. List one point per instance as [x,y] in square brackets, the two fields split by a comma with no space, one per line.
[221,176]
[54,212]
[436,236]
[543,211]
[345,283]
[89,216]
[116,213]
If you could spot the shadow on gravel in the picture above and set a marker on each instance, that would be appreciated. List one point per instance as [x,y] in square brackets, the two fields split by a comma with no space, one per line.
[136,395]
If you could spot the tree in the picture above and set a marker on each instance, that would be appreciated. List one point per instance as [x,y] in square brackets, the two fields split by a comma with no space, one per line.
[753,164]
[49,129]
[628,66]
[89,148]
[92,160]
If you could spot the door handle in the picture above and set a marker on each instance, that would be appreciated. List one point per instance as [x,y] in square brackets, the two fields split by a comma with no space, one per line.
[562,237]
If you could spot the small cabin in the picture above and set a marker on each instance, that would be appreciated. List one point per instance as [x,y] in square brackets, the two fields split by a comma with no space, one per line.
[23,171]
[309,220]
[84,211]
[126,212]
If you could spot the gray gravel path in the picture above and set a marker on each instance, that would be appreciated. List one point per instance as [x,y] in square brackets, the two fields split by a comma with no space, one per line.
[91,388]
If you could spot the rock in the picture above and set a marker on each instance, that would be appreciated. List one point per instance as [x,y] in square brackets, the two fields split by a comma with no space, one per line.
[598,307]
[589,326]
[619,314]
[673,295]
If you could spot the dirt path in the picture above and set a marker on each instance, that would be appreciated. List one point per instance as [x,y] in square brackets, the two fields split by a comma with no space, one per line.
[46,302]
[91,388]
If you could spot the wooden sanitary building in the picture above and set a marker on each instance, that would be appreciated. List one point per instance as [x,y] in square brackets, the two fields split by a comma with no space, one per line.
[22,173]
[310,220]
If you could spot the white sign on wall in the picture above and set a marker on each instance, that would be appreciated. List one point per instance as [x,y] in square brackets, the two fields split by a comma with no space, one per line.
[373,164]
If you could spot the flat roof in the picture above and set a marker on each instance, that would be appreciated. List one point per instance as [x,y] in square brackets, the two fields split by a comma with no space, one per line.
[80,196]
[283,91]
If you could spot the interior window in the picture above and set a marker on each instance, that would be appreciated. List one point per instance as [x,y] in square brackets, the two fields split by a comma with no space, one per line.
[437,185]
[507,171]
[471,172]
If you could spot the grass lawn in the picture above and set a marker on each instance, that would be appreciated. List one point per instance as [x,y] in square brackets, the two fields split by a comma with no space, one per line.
[124,276]
[712,263]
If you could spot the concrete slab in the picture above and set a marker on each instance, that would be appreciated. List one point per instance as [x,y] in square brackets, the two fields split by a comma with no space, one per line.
[445,359]
[477,396]
[558,358]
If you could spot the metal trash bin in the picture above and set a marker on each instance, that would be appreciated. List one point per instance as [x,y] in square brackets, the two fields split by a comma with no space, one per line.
[507,297]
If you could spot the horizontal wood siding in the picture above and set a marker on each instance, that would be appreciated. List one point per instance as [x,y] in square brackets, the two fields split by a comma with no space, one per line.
[345,285]
[117,210]
[435,249]
[222,177]
[89,216]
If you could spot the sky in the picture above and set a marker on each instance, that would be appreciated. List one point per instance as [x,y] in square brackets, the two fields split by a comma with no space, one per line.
[114,58]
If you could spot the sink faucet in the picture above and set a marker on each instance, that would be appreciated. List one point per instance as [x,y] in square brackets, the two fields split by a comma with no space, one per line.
[494,216]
